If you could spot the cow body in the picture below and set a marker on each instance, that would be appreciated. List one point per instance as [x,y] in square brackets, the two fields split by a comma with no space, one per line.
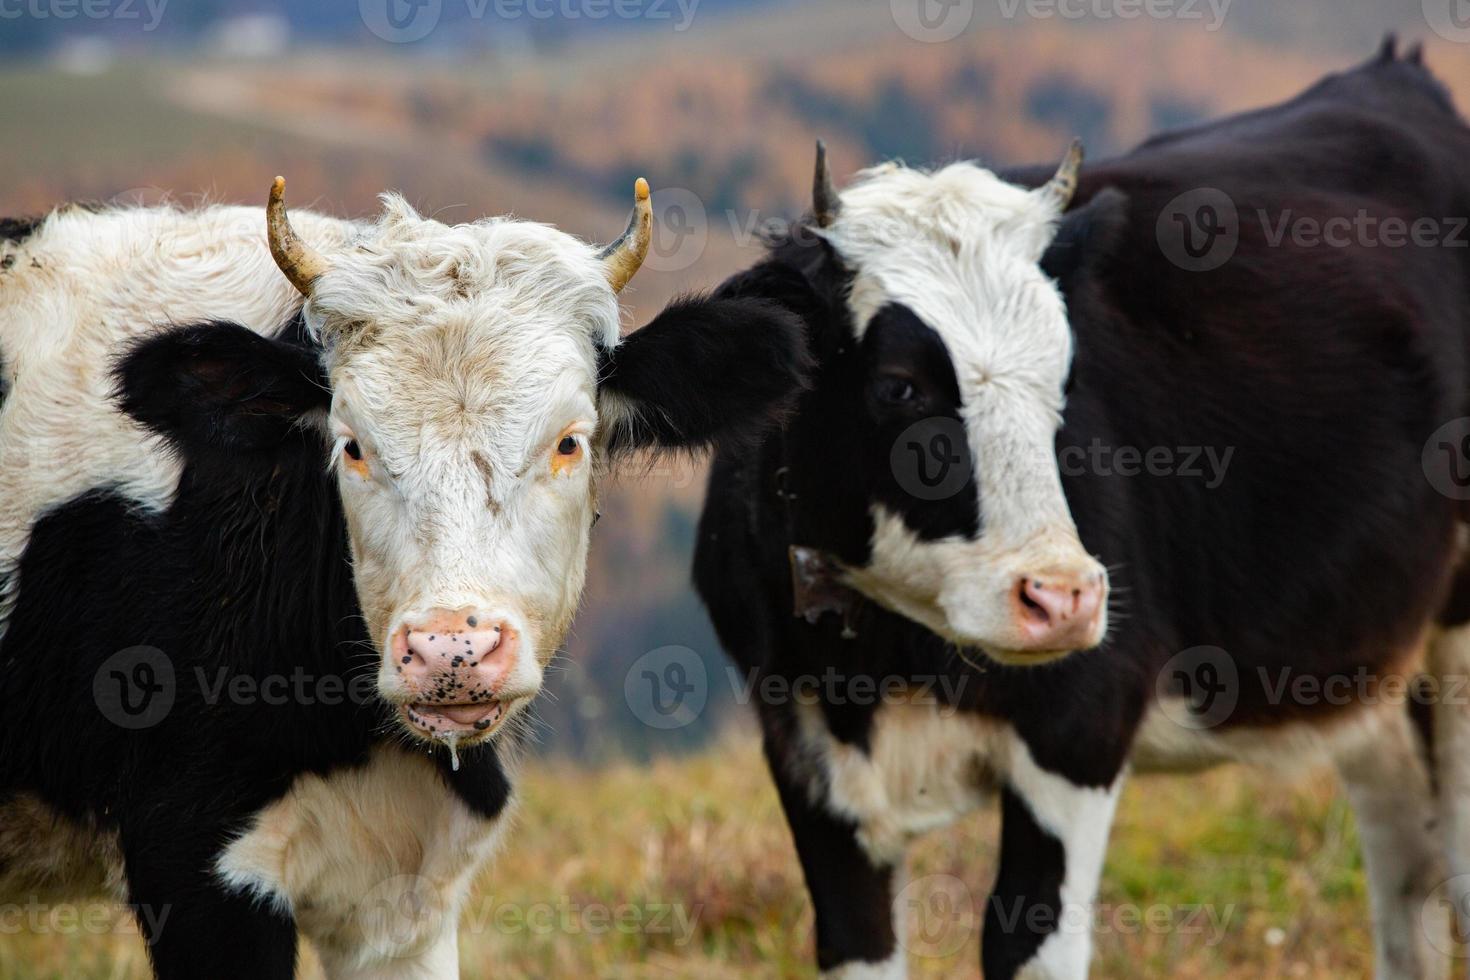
[203,575]
[1324,554]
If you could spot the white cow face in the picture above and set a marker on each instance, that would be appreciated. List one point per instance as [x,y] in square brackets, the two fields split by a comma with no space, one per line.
[960,352]
[463,367]
[470,385]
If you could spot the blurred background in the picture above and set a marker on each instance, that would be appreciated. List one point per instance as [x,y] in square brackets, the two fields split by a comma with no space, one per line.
[549,109]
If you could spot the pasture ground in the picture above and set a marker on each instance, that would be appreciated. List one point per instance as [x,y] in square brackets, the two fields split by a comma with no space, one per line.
[683,868]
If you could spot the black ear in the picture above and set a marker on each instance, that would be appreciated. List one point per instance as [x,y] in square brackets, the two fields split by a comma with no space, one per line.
[220,386]
[1086,237]
[704,372]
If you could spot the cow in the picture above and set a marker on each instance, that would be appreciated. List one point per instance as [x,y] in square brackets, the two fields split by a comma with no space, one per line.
[293,515]
[946,587]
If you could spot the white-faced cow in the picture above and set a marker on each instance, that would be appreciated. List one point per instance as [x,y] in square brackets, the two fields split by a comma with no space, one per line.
[1013,629]
[282,557]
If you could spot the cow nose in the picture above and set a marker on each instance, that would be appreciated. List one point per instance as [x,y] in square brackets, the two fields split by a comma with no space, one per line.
[1059,609]
[455,657]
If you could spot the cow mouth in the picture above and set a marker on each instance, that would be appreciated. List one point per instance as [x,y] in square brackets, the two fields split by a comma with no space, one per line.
[473,718]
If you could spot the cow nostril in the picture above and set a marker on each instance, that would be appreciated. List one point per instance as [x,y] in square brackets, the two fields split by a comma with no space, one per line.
[1033,608]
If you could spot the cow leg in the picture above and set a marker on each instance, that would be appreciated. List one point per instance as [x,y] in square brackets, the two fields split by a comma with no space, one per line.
[197,928]
[1054,835]
[852,894]
[1449,662]
[437,961]
[1388,783]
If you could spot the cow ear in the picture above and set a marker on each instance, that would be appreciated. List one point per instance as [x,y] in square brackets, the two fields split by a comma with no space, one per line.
[705,371]
[1085,237]
[220,386]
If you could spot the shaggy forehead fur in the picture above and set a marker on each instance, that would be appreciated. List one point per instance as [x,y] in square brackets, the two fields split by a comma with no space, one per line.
[407,272]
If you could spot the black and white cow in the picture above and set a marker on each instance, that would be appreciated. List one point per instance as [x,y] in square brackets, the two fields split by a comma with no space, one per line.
[283,558]
[980,324]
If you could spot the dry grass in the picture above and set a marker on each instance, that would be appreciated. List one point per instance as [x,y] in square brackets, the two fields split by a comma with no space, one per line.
[683,868]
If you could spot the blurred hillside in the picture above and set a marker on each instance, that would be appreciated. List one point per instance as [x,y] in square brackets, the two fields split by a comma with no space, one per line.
[552,119]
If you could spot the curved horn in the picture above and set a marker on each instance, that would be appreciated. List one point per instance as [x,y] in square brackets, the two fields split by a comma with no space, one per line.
[299,261]
[1061,187]
[622,259]
[825,203]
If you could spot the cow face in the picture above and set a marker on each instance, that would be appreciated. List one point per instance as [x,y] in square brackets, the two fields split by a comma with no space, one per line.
[938,403]
[472,389]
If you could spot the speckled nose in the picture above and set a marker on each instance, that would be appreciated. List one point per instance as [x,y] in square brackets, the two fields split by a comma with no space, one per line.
[455,657]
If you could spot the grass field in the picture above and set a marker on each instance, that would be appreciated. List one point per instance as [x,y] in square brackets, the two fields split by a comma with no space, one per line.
[683,868]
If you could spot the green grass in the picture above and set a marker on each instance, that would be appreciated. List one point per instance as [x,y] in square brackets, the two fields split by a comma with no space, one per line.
[1277,864]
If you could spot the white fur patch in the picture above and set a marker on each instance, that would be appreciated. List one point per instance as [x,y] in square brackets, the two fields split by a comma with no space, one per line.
[926,766]
[374,862]
[76,291]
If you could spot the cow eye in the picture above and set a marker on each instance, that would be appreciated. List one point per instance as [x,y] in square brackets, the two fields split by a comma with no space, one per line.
[896,390]
[353,451]
[567,446]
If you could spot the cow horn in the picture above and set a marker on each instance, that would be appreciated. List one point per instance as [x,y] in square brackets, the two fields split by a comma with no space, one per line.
[1063,186]
[301,264]
[825,203]
[622,259]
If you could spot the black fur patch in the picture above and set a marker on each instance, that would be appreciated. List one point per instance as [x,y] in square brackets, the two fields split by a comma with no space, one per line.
[19,229]
[704,372]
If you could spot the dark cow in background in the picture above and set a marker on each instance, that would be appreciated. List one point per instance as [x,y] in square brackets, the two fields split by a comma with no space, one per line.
[1050,622]
[283,558]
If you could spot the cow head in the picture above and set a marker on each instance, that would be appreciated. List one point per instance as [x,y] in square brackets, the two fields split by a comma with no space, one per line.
[922,465]
[470,388]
